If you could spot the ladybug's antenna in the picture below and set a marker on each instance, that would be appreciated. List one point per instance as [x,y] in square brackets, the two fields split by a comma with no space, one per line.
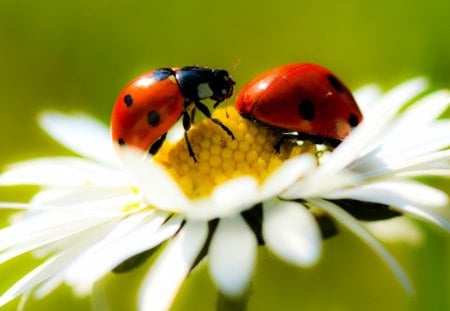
[236,64]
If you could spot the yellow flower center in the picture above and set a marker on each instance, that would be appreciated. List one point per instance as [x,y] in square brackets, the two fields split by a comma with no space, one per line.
[221,158]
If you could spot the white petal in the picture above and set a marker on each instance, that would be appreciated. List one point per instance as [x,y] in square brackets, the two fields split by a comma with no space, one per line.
[360,231]
[394,193]
[371,167]
[36,276]
[287,174]
[405,147]
[423,214]
[16,233]
[130,223]
[171,268]
[415,120]
[424,111]
[61,199]
[230,198]
[439,160]
[23,301]
[106,255]
[49,286]
[397,230]
[105,208]
[82,134]
[292,233]
[53,266]
[44,226]
[52,234]
[370,129]
[14,205]
[425,172]
[398,97]
[316,184]
[123,229]
[176,132]
[158,188]
[403,201]
[62,172]
[72,249]
[366,96]
[236,192]
[232,256]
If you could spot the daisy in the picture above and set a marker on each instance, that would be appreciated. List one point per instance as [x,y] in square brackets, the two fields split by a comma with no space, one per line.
[97,212]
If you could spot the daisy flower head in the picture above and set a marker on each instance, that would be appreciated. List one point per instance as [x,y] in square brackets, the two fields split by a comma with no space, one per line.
[95,212]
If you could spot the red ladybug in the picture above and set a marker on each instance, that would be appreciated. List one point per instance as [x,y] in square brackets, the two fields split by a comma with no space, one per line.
[153,102]
[303,102]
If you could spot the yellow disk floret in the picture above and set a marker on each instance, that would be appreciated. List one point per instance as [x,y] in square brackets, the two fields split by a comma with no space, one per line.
[221,158]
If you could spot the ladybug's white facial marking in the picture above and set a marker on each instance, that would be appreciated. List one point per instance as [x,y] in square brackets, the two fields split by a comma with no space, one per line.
[204,91]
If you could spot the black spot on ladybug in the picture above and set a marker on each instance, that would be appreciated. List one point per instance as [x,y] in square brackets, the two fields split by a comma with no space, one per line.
[153,118]
[335,83]
[121,142]
[128,100]
[163,73]
[306,109]
[353,120]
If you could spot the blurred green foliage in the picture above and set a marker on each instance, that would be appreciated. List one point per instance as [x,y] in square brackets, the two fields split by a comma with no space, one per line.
[77,55]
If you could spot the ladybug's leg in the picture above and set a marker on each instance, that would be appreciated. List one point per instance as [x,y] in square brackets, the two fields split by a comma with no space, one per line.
[283,138]
[223,126]
[203,109]
[278,144]
[318,140]
[157,145]
[193,110]
[187,126]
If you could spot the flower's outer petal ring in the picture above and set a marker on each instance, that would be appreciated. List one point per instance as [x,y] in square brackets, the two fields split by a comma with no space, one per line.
[165,277]
[291,232]
[82,134]
[232,255]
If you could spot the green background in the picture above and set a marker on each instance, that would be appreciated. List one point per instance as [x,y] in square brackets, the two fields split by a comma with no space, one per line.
[77,55]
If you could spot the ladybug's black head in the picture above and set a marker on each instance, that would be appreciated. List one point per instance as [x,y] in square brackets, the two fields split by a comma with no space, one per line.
[198,83]
[221,85]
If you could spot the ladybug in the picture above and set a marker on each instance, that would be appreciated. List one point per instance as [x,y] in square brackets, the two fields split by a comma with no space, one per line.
[302,102]
[153,102]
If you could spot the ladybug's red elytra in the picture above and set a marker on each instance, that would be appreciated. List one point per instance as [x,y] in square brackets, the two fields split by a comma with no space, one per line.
[153,102]
[303,102]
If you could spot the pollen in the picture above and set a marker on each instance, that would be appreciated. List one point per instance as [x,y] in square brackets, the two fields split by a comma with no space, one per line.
[221,158]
